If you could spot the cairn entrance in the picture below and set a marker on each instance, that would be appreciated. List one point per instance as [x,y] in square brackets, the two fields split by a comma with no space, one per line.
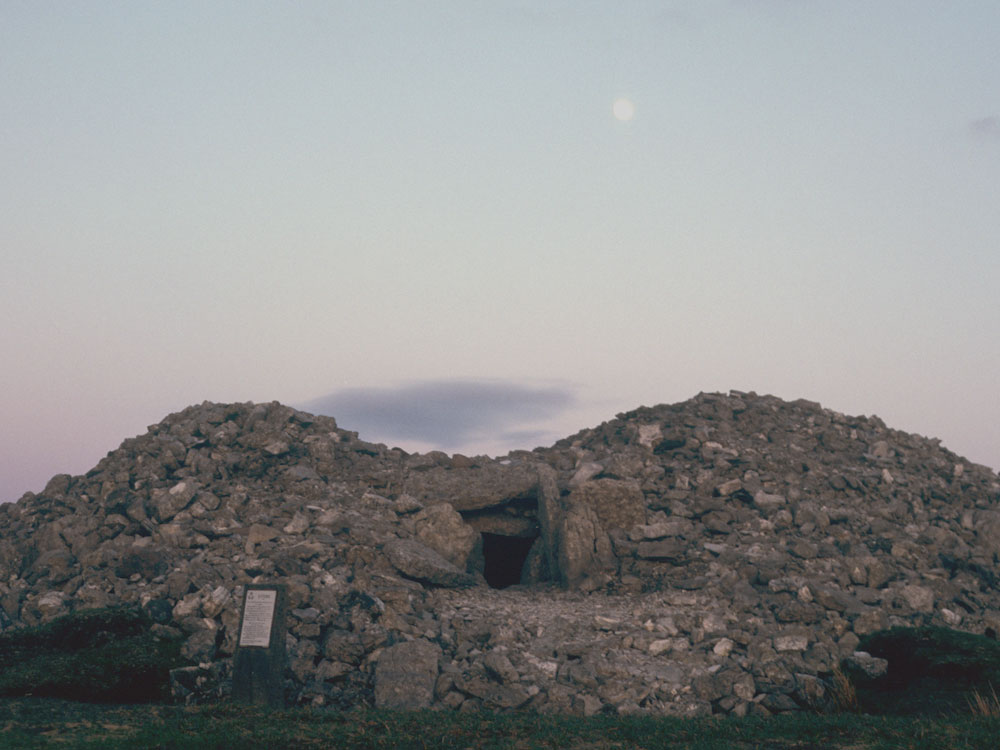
[504,558]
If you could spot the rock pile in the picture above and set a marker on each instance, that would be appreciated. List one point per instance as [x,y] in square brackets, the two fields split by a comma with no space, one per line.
[723,554]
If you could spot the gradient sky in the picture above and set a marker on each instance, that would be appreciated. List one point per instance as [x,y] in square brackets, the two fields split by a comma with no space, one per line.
[427,208]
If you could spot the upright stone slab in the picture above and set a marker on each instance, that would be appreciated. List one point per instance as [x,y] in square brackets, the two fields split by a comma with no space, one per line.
[405,675]
[259,662]
[582,522]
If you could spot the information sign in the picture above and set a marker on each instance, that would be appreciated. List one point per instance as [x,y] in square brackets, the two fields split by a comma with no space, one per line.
[258,617]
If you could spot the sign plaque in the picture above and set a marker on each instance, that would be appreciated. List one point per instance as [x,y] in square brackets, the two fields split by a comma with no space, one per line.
[258,617]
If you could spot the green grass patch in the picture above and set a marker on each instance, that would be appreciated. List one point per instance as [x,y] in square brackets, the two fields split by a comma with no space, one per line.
[932,671]
[38,723]
[100,655]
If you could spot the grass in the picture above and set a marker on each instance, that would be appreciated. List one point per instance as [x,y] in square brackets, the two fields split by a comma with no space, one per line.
[843,693]
[44,723]
[932,671]
[985,705]
[113,658]
[102,655]
[940,653]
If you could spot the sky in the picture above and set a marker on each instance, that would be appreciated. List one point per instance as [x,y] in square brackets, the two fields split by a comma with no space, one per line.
[429,220]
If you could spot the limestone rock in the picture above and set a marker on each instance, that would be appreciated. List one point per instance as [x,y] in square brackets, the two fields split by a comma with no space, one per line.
[987,525]
[583,546]
[421,563]
[405,675]
[663,549]
[616,504]
[467,489]
[442,528]
[866,664]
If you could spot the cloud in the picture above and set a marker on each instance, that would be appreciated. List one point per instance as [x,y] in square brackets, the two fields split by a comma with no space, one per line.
[986,127]
[449,415]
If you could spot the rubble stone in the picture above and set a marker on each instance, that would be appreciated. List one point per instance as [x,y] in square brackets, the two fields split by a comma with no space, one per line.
[724,554]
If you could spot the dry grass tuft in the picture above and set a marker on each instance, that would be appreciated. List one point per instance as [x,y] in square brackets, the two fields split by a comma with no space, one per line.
[845,697]
[985,705]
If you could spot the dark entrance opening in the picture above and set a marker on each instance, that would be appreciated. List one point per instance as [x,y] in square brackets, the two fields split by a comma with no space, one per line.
[504,558]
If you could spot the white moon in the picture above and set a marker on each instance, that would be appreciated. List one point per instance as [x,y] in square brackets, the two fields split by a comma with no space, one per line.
[623,109]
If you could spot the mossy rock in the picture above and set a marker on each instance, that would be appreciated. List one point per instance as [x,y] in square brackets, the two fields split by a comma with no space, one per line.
[932,670]
[103,655]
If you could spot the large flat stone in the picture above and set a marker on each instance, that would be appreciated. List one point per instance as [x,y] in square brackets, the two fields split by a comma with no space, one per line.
[405,675]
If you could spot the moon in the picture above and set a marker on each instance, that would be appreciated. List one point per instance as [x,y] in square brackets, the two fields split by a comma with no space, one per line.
[623,109]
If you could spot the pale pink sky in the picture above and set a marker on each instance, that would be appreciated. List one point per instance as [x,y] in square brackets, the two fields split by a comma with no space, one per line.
[232,202]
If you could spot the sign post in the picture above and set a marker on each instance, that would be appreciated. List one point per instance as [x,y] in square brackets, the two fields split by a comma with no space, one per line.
[259,662]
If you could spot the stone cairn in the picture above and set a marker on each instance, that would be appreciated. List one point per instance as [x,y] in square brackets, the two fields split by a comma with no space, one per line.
[720,555]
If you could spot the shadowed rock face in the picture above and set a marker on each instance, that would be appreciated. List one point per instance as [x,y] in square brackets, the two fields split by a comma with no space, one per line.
[721,554]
